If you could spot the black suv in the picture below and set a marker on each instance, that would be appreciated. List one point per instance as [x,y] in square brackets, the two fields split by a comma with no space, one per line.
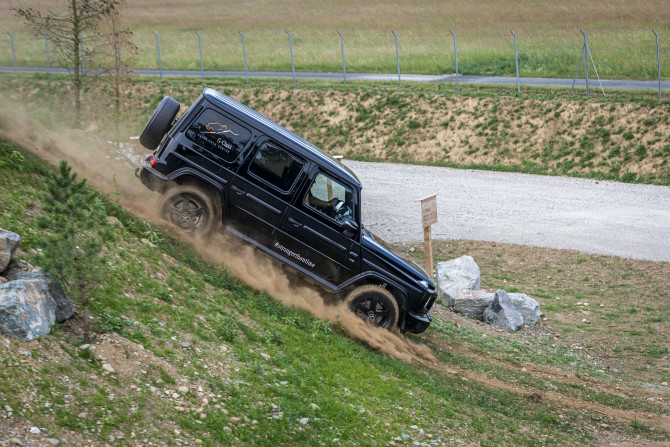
[225,166]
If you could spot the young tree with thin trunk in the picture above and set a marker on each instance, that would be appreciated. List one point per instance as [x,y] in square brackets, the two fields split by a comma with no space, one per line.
[64,31]
[115,61]
[76,233]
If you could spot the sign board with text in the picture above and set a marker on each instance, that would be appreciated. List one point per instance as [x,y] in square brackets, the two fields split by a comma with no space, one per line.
[429,211]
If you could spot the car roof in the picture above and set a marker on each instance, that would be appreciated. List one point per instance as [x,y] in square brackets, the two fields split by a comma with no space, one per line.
[318,153]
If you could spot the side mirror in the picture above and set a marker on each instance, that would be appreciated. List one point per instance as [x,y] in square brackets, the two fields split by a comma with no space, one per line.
[350,227]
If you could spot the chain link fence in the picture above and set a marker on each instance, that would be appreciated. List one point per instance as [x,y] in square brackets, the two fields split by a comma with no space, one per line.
[630,55]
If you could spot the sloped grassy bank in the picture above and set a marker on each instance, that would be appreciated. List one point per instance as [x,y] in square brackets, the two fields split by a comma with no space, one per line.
[201,359]
[193,350]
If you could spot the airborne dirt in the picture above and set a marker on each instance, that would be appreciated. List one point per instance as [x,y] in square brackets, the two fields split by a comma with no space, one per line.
[109,170]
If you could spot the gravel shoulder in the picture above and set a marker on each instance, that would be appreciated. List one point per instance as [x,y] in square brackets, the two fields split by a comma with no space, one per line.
[600,217]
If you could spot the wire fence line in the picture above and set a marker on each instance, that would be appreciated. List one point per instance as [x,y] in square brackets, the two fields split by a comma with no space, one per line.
[636,56]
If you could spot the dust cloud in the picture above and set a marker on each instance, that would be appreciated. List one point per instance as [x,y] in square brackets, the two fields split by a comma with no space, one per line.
[110,170]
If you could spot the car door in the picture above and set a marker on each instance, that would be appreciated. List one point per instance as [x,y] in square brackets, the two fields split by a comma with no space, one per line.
[260,193]
[313,233]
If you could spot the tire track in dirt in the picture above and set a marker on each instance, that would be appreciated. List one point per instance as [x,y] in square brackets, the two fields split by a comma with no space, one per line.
[554,398]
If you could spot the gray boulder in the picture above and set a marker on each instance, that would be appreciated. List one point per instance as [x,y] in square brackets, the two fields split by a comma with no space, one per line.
[473,303]
[456,275]
[9,242]
[64,310]
[27,309]
[502,313]
[527,307]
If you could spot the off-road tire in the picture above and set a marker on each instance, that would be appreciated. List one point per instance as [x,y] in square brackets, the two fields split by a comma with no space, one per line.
[160,123]
[374,304]
[195,211]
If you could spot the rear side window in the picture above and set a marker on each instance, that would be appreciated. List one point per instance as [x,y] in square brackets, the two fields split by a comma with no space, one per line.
[221,137]
[276,167]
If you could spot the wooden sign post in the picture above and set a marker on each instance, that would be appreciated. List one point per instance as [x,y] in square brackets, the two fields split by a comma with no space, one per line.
[428,218]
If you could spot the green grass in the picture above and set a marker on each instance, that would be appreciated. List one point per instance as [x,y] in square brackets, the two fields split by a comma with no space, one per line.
[257,359]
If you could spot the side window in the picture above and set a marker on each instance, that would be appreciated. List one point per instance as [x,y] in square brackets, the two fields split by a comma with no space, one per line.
[221,137]
[331,198]
[276,167]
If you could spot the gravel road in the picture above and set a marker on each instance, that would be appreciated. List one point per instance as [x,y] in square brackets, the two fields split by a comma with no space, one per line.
[603,217]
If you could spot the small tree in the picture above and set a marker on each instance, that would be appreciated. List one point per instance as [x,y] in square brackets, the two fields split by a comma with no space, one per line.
[77,231]
[114,64]
[81,17]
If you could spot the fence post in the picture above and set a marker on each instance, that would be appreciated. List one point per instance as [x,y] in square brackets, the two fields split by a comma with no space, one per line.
[458,88]
[81,51]
[516,61]
[13,53]
[658,61]
[586,62]
[344,68]
[202,68]
[290,41]
[397,56]
[158,48]
[46,46]
[244,51]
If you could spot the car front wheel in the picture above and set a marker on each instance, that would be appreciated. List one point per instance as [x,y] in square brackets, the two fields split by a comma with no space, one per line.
[374,304]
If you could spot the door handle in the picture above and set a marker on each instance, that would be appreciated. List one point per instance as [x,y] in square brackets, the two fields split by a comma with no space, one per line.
[294,222]
[237,190]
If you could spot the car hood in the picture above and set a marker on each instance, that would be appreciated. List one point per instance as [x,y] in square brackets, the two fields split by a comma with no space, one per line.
[401,266]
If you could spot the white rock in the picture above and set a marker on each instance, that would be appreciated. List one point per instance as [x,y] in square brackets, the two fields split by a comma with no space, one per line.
[107,367]
[183,389]
[35,430]
[303,421]
[456,275]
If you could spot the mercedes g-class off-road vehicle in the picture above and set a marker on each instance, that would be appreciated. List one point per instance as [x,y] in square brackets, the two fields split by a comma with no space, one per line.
[223,166]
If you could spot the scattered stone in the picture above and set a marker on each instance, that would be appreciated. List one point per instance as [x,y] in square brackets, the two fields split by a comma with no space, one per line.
[235,420]
[183,389]
[303,421]
[84,346]
[107,367]
[64,310]
[527,307]
[472,303]
[82,415]
[16,441]
[27,309]
[315,407]
[111,220]
[9,242]
[185,344]
[226,428]
[53,441]
[265,356]
[412,249]
[8,409]
[664,383]
[35,430]
[456,275]
[502,313]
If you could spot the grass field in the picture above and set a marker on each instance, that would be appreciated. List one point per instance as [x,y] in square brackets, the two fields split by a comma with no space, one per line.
[620,36]
[257,372]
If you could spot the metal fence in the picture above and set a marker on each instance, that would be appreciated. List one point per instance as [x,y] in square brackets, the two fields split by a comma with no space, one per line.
[635,55]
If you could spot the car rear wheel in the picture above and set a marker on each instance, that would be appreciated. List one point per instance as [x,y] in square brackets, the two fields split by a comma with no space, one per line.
[191,209]
[160,123]
[374,304]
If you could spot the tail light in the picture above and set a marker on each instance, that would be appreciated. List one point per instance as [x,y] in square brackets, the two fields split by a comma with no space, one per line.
[153,161]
